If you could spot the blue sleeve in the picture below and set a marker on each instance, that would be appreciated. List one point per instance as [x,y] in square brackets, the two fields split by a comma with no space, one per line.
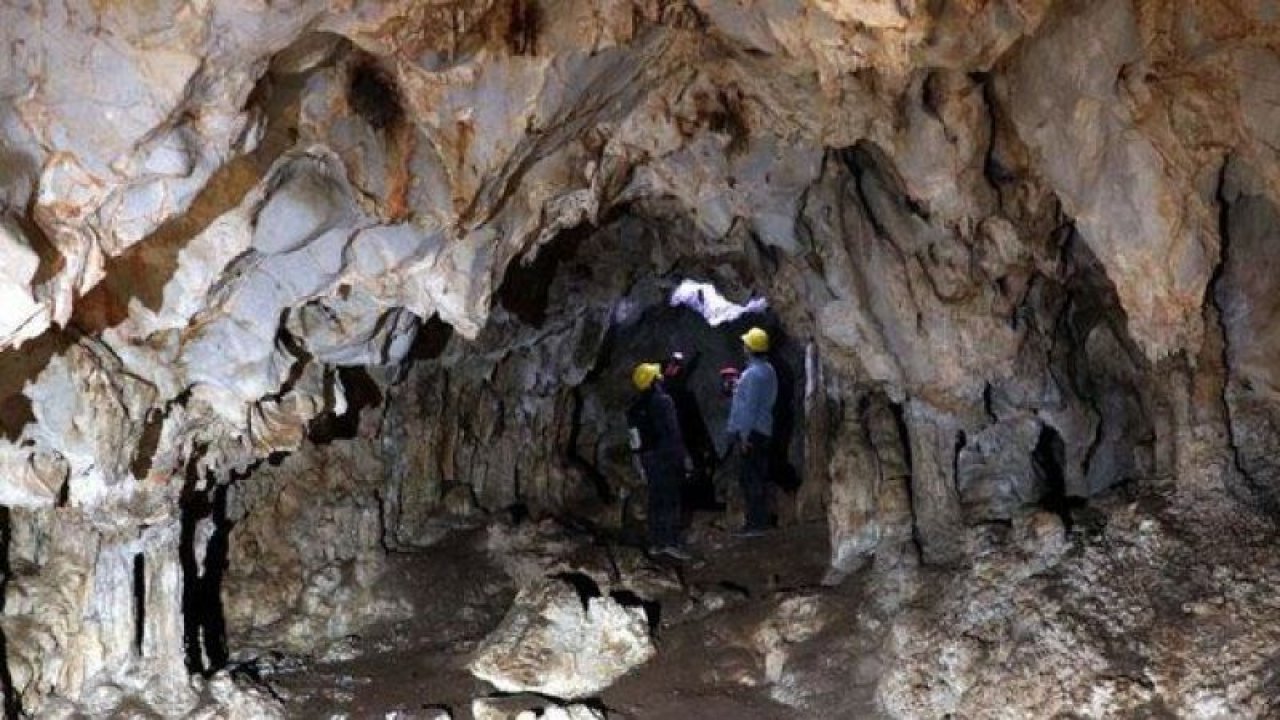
[742,412]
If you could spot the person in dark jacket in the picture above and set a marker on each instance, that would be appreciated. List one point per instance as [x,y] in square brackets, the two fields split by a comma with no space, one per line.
[699,492]
[655,438]
[750,428]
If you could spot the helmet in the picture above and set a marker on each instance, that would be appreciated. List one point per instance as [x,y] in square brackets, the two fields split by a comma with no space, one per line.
[674,365]
[645,374]
[756,340]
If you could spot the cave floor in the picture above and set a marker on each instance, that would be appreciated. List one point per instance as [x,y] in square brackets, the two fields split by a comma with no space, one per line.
[1165,597]
[705,667]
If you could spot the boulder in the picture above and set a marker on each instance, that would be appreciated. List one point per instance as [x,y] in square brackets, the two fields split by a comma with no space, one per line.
[556,642]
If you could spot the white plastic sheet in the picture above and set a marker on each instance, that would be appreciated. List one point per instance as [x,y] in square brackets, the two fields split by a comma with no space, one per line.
[707,301]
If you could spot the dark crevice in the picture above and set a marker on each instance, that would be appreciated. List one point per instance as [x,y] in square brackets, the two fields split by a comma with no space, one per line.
[517,512]
[1048,459]
[582,583]
[734,587]
[204,521]
[147,444]
[430,341]
[523,24]
[652,608]
[995,171]
[64,493]
[139,602]
[931,96]
[373,95]
[988,402]
[868,163]
[361,393]
[961,440]
[900,421]
[1106,385]
[51,260]
[1214,298]
[526,284]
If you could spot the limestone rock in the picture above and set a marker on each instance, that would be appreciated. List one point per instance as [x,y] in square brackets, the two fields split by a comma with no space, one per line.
[995,473]
[796,619]
[1042,534]
[1009,613]
[301,573]
[237,701]
[555,642]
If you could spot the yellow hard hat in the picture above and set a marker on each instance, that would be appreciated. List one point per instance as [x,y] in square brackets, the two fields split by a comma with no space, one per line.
[645,374]
[756,340]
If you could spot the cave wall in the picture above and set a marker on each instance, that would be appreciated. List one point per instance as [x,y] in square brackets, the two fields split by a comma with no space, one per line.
[987,223]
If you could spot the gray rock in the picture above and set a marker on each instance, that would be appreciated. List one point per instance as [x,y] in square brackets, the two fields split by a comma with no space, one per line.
[995,473]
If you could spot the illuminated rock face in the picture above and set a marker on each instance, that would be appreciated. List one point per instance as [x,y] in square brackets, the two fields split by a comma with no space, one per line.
[1019,248]
[555,643]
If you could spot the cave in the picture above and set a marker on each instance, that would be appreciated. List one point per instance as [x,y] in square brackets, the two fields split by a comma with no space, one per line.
[318,331]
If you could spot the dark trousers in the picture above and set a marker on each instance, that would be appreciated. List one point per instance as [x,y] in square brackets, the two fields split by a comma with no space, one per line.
[755,481]
[663,475]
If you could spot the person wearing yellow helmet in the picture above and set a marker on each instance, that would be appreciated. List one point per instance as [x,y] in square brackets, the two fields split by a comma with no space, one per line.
[756,341]
[750,428]
[655,438]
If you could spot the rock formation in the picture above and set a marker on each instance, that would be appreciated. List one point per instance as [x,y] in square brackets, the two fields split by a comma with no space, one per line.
[558,641]
[286,288]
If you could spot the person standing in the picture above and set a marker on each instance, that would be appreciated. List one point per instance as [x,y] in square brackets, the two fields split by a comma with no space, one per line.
[655,438]
[750,427]
[676,373]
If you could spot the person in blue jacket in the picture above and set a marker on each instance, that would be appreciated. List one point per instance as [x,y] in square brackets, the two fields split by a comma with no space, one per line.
[750,428]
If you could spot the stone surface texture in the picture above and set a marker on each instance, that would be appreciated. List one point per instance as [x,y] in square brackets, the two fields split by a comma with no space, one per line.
[285,287]
[520,707]
[558,643]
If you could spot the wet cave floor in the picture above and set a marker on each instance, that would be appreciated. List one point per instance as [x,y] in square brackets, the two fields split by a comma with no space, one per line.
[705,667]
